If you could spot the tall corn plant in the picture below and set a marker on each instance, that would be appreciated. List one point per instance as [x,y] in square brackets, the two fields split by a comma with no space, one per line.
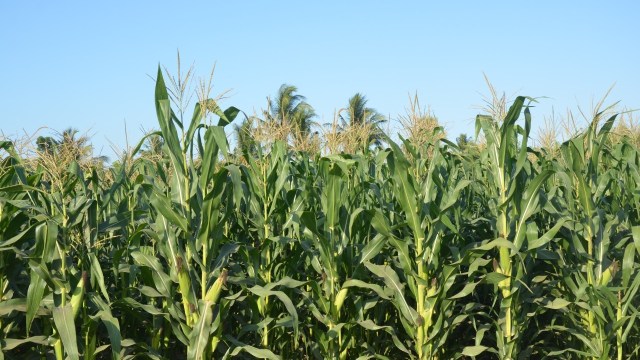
[17,237]
[59,252]
[603,237]
[268,253]
[514,187]
[325,228]
[424,194]
[186,263]
[339,244]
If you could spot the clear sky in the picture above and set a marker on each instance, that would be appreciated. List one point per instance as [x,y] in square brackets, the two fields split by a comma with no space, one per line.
[87,64]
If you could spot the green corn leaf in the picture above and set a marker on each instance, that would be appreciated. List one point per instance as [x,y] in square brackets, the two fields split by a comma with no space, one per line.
[635,231]
[230,114]
[473,350]
[152,310]
[35,293]
[63,319]
[210,156]
[383,293]
[372,249]
[606,128]
[44,274]
[113,330]
[546,237]
[163,205]
[97,275]
[370,325]
[195,124]
[14,239]
[628,264]
[199,336]
[466,290]
[8,306]
[286,282]
[165,120]
[557,303]
[46,240]
[286,301]
[161,279]
[393,282]
[253,351]
[10,344]
[406,195]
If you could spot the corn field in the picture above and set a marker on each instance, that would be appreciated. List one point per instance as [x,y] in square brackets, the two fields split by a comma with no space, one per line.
[430,251]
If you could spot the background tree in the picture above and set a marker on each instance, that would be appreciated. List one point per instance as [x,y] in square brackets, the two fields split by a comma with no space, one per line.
[246,142]
[357,116]
[67,147]
[152,148]
[291,109]
[46,144]
[463,141]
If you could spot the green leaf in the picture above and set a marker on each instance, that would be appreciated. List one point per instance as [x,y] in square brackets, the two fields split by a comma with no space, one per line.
[546,237]
[364,285]
[113,329]
[96,273]
[163,205]
[473,350]
[161,279]
[491,278]
[466,290]
[372,248]
[63,319]
[628,263]
[557,303]
[8,306]
[255,352]
[286,301]
[35,292]
[14,239]
[635,230]
[210,157]
[370,325]
[529,205]
[406,193]
[393,282]
[199,336]
[165,120]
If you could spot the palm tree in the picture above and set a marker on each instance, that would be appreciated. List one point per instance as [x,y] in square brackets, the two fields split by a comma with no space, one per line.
[152,148]
[289,108]
[57,153]
[77,148]
[464,141]
[46,144]
[246,143]
[357,114]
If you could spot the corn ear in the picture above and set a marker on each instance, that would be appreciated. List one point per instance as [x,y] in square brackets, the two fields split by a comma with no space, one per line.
[339,301]
[216,289]
[185,289]
[609,273]
[433,289]
[78,294]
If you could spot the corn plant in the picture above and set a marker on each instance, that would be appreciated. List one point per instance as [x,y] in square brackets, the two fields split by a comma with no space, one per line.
[424,200]
[266,206]
[603,236]
[185,261]
[514,185]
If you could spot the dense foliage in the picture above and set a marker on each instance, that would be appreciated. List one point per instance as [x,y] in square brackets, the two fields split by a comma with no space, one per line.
[428,251]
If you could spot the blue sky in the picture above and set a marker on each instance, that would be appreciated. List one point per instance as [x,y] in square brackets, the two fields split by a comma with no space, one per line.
[86,64]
